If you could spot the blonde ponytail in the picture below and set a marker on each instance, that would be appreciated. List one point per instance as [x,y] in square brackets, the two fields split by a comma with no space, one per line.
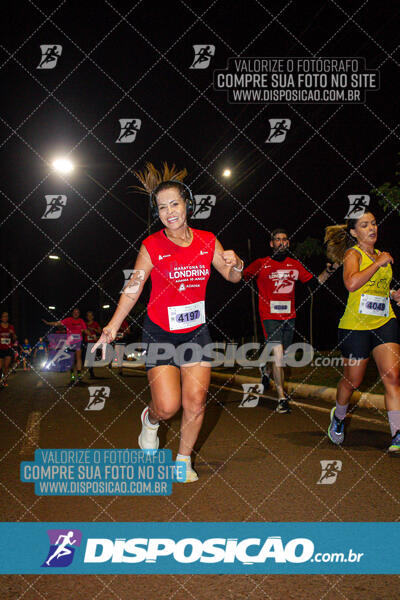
[151,177]
[337,240]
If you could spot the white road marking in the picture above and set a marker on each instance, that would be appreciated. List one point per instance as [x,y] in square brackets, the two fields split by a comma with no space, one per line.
[32,431]
[303,404]
[295,403]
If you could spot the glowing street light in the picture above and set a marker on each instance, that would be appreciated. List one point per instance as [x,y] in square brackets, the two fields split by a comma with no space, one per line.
[106,306]
[52,307]
[54,257]
[63,165]
[226,173]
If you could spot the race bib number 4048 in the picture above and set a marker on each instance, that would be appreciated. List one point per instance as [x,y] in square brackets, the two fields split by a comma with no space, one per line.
[377,306]
[280,307]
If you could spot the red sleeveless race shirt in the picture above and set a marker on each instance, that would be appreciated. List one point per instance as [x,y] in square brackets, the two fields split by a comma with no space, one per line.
[92,336]
[6,337]
[179,280]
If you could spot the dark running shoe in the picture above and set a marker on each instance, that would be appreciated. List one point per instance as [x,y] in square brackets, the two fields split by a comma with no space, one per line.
[265,377]
[336,428]
[395,445]
[283,406]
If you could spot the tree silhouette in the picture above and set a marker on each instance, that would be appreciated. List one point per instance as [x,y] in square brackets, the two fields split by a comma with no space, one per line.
[388,194]
[304,250]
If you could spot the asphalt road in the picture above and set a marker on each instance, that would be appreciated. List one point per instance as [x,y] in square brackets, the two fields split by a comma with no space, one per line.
[253,465]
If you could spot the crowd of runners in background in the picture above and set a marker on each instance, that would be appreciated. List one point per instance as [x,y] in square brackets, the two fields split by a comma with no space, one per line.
[25,354]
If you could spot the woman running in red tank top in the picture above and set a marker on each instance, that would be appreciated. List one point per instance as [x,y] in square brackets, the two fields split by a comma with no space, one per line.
[178,259]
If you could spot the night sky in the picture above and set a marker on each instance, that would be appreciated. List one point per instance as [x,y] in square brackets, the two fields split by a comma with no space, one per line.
[132,60]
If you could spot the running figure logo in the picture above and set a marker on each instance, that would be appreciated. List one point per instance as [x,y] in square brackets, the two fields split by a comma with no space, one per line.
[203,206]
[98,397]
[132,280]
[284,280]
[279,129]
[250,394]
[127,275]
[54,206]
[50,55]
[357,206]
[330,470]
[129,129]
[203,54]
[61,353]
[62,547]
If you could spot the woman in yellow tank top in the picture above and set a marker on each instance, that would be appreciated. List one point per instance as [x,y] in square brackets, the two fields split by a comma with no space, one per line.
[369,324]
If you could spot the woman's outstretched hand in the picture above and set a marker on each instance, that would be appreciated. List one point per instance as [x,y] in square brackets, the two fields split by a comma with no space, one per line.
[108,335]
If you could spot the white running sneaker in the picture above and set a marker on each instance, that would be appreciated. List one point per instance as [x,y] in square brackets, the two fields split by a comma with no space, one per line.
[191,474]
[148,438]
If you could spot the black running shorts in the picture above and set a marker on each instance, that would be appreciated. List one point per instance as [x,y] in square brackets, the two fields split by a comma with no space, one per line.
[175,349]
[355,343]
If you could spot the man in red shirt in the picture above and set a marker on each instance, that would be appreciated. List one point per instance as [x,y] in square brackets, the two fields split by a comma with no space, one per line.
[276,277]
[75,327]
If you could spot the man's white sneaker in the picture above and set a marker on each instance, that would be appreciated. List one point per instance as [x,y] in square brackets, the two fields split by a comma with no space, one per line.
[148,438]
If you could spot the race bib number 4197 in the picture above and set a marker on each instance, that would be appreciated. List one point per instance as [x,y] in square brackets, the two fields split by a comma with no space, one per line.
[186,315]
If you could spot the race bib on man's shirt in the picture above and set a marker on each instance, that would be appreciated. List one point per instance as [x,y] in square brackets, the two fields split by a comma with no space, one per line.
[280,306]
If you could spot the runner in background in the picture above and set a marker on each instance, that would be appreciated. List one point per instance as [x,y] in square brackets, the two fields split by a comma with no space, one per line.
[7,339]
[26,350]
[91,335]
[368,325]
[75,327]
[40,354]
[276,277]
[179,259]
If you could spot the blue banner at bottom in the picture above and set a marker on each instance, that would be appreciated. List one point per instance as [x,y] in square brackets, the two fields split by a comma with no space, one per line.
[213,548]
